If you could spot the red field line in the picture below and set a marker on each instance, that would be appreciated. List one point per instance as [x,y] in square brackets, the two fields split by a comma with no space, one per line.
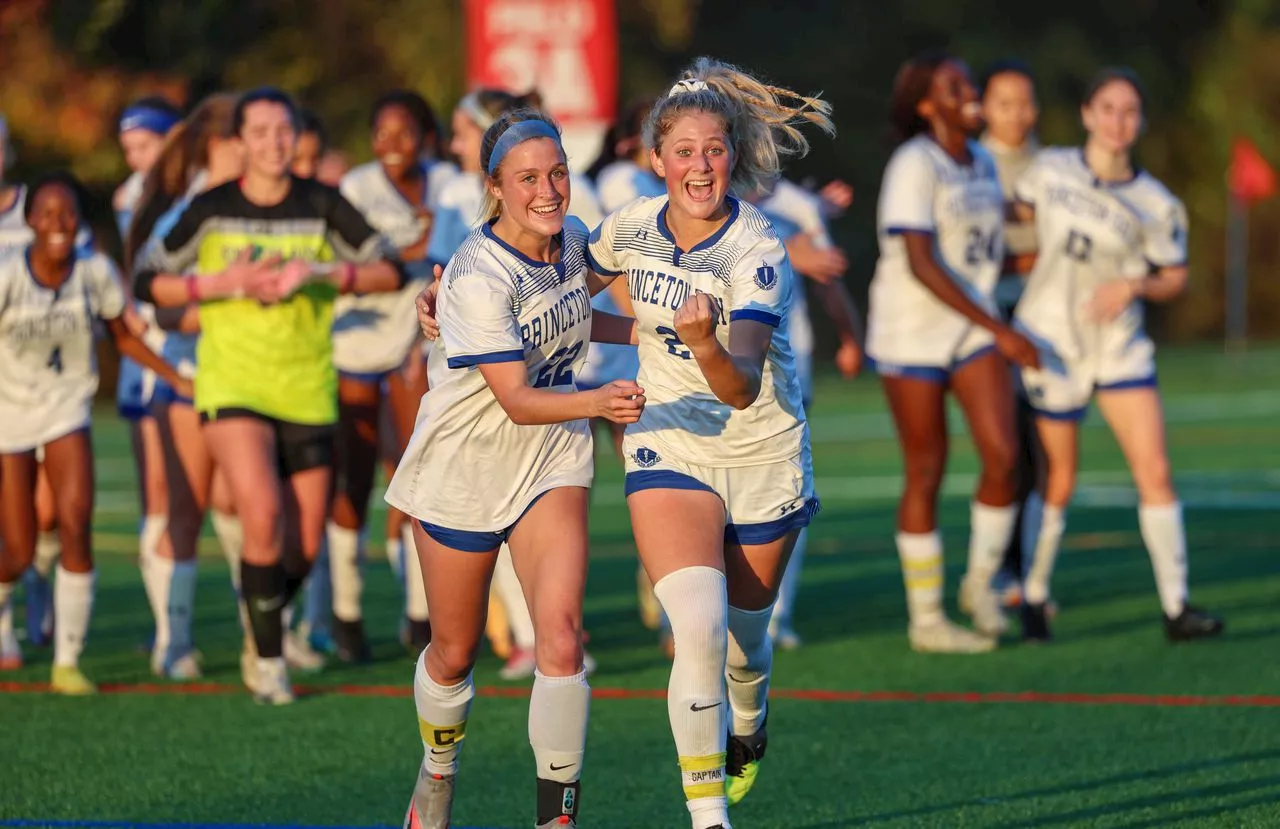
[802,694]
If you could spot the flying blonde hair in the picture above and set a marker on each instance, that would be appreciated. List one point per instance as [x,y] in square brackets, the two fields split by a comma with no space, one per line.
[763,121]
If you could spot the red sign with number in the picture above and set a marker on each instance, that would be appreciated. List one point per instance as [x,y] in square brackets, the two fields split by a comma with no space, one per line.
[566,49]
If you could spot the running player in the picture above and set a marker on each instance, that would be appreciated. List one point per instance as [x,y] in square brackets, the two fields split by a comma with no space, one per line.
[51,296]
[719,476]
[799,217]
[200,153]
[933,327]
[375,348]
[505,426]
[265,381]
[1010,111]
[1111,237]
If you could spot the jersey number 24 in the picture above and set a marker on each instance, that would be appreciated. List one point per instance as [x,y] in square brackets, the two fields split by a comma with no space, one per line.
[981,248]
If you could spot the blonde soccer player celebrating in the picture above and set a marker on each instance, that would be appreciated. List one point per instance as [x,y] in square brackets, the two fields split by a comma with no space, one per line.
[1111,236]
[504,424]
[719,478]
[933,327]
[51,297]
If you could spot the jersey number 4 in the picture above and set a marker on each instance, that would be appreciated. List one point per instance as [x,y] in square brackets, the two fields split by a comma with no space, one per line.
[675,345]
[980,248]
[1079,246]
[55,360]
[558,370]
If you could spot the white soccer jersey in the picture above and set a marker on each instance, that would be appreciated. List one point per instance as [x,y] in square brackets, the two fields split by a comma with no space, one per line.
[468,467]
[1091,233]
[924,189]
[372,334]
[583,202]
[745,268]
[794,210]
[456,216]
[48,363]
[16,234]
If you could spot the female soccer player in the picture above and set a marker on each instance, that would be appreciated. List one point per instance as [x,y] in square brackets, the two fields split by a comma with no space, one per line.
[719,477]
[51,297]
[266,388]
[1010,111]
[933,327]
[1111,236]
[313,143]
[142,130]
[504,424]
[200,153]
[375,340]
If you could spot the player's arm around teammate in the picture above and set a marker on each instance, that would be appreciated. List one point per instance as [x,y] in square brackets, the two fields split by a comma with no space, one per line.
[50,297]
[505,426]
[1084,306]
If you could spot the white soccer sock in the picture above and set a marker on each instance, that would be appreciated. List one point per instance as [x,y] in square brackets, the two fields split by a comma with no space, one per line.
[344,572]
[230,533]
[786,602]
[747,668]
[920,555]
[181,606]
[990,529]
[697,606]
[558,711]
[1052,522]
[415,595]
[507,585]
[157,575]
[48,548]
[72,607]
[395,557]
[1165,537]
[442,717]
[8,639]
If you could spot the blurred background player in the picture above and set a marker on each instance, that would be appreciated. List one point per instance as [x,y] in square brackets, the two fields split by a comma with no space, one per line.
[262,251]
[1010,111]
[800,219]
[1111,237]
[378,356]
[200,153]
[51,296]
[933,327]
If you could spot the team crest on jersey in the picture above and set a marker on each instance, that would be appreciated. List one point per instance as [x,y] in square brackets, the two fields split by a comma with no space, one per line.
[646,457]
[766,277]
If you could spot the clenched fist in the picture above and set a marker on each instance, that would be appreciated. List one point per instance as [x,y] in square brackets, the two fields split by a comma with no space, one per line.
[695,320]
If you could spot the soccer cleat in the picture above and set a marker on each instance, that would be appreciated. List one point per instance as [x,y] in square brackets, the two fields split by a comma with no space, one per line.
[184,668]
[432,801]
[980,602]
[350,643]
[1192,623]
[742,763]
[945,636]
[1008,589]
[784,637]
[10,652]
[519,666]
[562,822]
[272,684]
[1035,623]
[69,681]
[650,607]
[299,655]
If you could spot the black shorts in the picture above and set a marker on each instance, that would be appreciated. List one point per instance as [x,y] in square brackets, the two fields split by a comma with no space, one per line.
[299,446]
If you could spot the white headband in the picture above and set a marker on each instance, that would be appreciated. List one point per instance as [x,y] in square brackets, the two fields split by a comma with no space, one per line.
[687,85]
[470,104]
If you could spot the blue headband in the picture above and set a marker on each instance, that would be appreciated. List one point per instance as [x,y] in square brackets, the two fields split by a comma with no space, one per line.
[519,133]
[147,118]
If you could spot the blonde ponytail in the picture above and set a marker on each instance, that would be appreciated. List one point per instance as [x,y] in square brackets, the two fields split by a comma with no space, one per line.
[763,121]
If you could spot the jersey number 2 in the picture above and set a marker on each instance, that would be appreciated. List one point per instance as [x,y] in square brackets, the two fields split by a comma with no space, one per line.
[675,345]
[558,370]
[980,248]
[55,360]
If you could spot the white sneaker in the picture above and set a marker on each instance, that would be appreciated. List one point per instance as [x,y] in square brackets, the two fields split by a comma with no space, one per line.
[273,686]
[945,636]
[979,602]
[299,654]
[519,666]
